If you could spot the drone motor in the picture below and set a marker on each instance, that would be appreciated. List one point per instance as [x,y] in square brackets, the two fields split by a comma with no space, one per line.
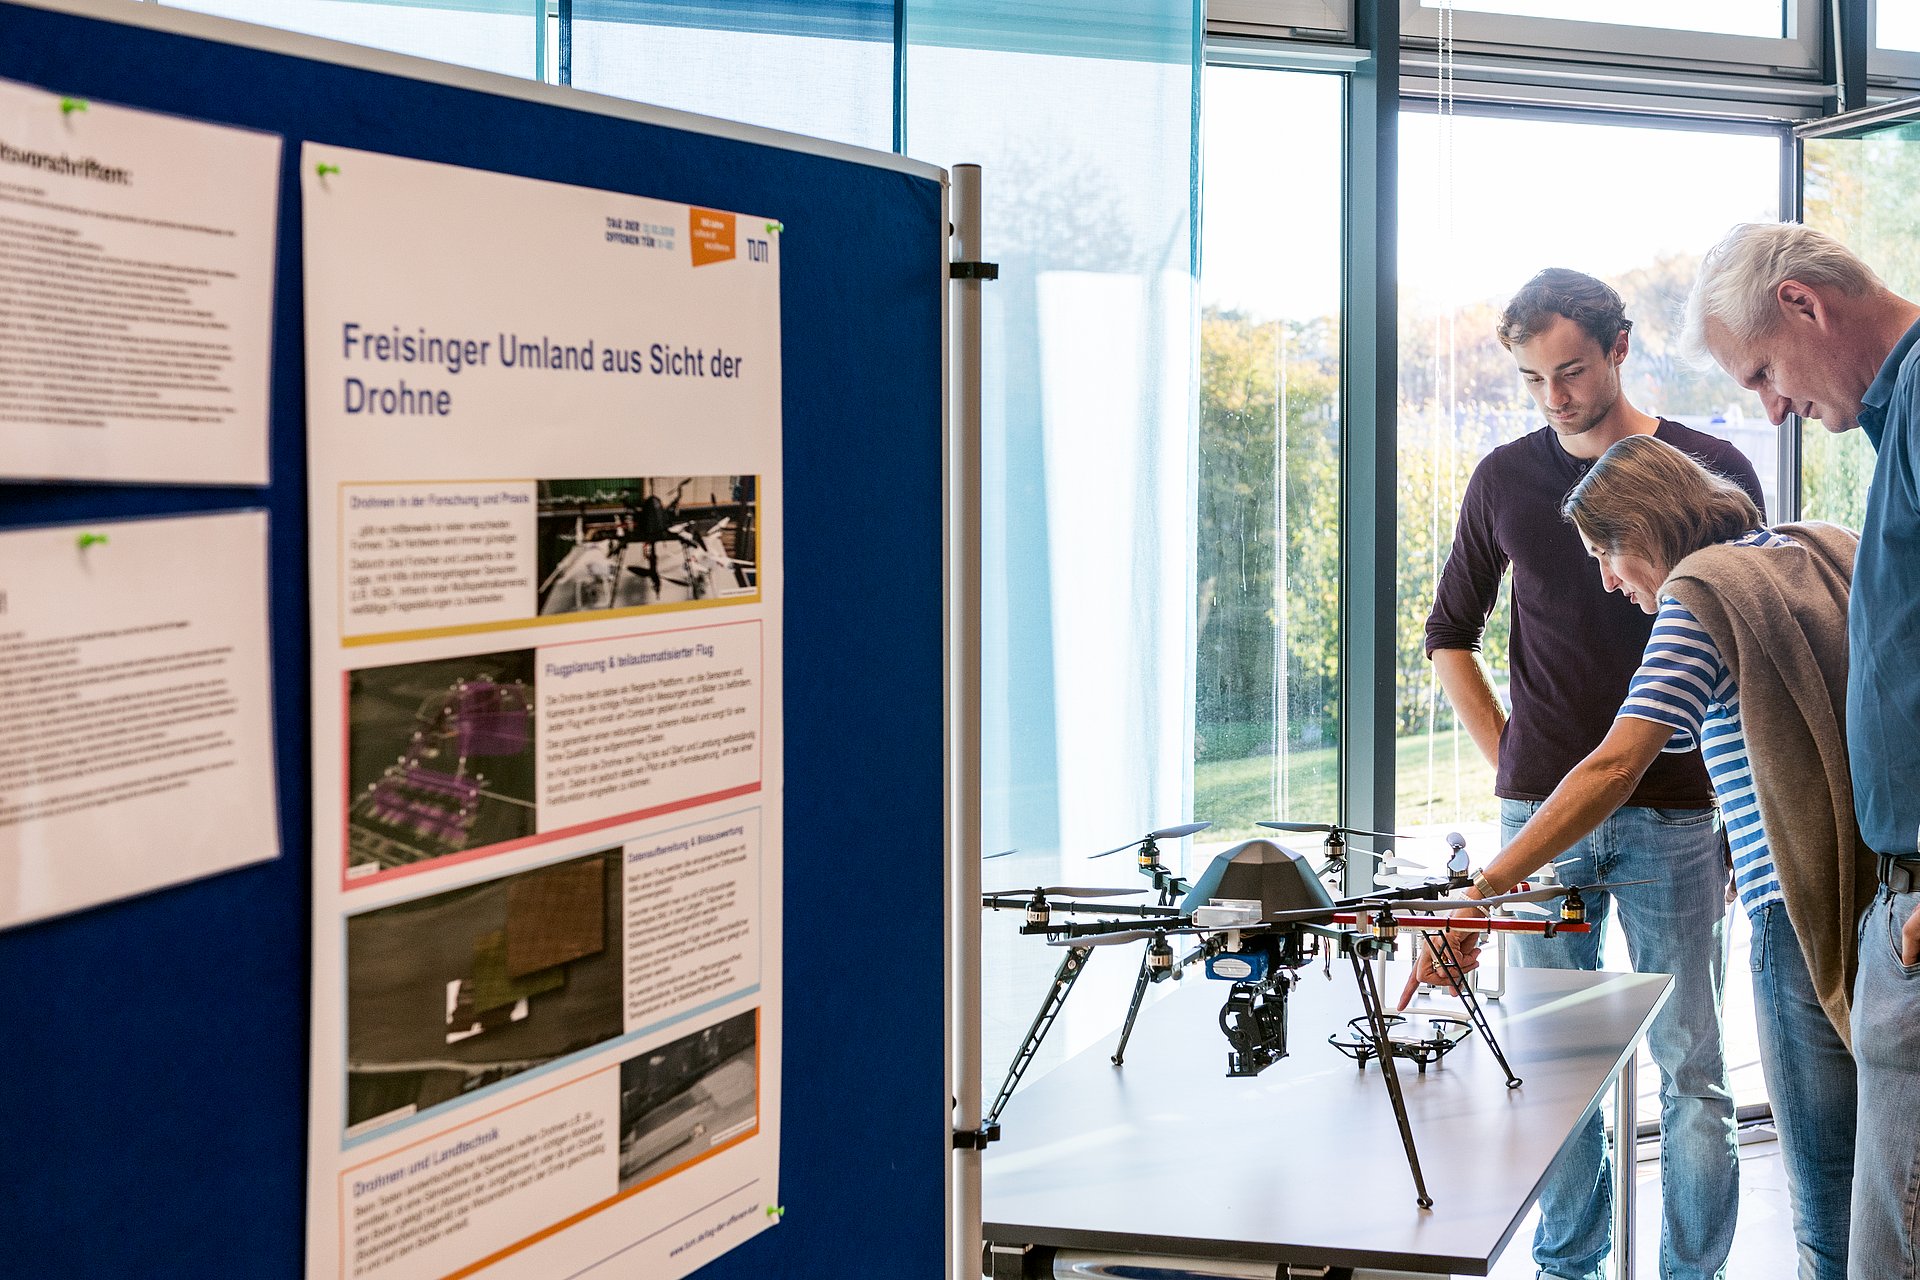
[1385,926]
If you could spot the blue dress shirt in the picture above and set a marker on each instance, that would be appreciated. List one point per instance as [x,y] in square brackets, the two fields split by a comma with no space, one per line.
[1883,622]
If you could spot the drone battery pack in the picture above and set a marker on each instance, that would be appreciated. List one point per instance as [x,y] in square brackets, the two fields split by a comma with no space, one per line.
[1237,966]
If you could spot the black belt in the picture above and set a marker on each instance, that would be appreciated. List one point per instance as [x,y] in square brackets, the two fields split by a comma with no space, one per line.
[1900,874]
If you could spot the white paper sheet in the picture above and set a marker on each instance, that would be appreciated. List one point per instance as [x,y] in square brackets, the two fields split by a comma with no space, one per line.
[136,743]
[544,458]
[136,269]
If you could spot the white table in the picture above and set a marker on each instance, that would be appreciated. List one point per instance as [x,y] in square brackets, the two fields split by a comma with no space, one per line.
[1303,1164]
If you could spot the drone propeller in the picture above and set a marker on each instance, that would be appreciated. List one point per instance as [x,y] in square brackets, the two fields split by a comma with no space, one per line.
[1327,828]
[1064,891]
[1164,833]
[1405,881]
[1102,939]
[1558,890]
[988,857]
[1525,895]
[1400,864]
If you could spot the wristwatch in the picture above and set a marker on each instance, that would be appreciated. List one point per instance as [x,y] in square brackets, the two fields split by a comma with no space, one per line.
[1481,883]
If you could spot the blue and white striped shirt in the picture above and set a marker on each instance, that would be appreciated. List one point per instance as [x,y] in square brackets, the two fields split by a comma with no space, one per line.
[1684,683]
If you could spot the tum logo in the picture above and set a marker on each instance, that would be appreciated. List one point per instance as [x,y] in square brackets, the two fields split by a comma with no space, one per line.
[756,250]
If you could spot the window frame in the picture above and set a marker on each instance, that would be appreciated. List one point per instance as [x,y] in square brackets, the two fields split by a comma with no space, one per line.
[1272,56]
[1315,20]
[1898,67]
[1798,54]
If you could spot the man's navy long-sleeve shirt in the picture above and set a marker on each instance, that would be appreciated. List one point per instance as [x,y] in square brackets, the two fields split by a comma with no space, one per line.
[1573,646]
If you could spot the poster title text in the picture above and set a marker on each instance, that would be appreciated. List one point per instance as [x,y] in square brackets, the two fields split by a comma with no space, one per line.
[453,353]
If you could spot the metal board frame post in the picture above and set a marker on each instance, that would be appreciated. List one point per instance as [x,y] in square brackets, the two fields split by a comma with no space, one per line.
[963,726]
[1369,437]
[1625,1159]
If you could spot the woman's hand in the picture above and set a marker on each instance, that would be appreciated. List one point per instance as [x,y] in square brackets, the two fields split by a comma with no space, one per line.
[1465,939]
[1910,938]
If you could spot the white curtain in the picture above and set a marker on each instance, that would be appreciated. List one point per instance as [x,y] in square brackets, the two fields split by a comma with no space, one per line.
[1083,118]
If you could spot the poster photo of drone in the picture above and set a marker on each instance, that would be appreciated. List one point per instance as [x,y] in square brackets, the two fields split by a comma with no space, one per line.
[547,749]
[635,542]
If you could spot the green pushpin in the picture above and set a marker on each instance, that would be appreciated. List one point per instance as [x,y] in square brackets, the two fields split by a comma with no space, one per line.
[322,169]
[70,105]
[776,1210]
[775,228]
[88,539]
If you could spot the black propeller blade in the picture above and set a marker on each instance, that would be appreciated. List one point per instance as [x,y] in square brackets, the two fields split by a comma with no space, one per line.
[1327,828]
[1164,833]
[1102,939]
[1064,891]
[1525,895]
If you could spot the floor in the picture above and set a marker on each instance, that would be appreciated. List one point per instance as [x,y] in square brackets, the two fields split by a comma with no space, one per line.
[1762,1238]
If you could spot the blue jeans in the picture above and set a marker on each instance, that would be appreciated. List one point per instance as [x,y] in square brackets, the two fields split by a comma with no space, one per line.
[1810,1080]
[1886,1049]
[1675,925]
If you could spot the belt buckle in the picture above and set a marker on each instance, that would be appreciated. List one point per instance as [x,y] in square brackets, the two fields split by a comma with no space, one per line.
[1900,875]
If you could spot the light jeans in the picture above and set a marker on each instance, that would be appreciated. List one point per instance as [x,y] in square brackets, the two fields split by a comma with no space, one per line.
[1675,925]
[1886,1049]
[1809,1077]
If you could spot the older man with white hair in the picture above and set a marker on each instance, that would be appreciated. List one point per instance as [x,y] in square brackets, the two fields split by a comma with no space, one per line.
[1795,316]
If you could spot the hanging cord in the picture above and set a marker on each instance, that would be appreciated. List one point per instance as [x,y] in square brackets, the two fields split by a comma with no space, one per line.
[1281,797]
[1450,229]
[1443,448]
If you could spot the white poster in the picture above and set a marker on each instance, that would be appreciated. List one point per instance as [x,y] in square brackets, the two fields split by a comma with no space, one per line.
[136,268]
[544,461]
[136,709]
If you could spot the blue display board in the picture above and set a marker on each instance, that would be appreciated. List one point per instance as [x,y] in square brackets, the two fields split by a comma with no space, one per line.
[153,1053]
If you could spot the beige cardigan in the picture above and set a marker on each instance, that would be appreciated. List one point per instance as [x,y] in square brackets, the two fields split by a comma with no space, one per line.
[1779,618]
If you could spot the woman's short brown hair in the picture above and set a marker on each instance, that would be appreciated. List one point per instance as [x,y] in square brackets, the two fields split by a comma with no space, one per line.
[1646,498]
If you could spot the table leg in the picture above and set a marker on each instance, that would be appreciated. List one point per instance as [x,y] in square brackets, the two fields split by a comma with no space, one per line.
[1625,1152]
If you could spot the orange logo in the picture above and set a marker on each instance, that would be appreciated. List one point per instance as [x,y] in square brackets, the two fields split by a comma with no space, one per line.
[711,235]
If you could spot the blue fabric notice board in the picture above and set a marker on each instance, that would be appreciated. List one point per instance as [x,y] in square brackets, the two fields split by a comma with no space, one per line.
[153,1052]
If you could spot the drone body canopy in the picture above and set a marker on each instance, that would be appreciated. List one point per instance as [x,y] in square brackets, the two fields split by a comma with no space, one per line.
[1259,871]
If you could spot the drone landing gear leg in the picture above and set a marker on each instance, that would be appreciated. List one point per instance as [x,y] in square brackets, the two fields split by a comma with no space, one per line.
[1133,1011]
[1450,965]
[1070,966]
[1383,1048]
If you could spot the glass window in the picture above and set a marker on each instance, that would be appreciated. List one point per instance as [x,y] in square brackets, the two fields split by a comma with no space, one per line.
[824,69]
[1465,248]
[1634,206]
[1722,17]
[489,35]
[1862,190]
[1267,624]
[1897,26]
[1087,542]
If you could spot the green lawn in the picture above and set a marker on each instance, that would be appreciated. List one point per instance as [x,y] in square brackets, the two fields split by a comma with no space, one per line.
[1235,794]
